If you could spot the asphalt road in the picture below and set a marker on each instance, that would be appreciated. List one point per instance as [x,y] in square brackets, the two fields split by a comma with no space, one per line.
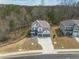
[49,56]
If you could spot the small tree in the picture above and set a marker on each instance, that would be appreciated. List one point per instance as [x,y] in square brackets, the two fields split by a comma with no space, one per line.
[50,16]
[57,17]
[12,24]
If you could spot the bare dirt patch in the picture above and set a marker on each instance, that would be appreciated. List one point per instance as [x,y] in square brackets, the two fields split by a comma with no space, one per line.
[63,42]
[25,44]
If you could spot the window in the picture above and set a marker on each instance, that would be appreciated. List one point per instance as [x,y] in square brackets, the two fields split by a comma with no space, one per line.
[69,28]
[40,29]
[46,32]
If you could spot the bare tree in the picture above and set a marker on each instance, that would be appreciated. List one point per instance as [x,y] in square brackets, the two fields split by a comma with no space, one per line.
[67,2]
[68,8]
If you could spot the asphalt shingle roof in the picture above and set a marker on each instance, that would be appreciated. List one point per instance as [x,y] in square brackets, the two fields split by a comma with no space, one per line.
[70,22]
[44,24]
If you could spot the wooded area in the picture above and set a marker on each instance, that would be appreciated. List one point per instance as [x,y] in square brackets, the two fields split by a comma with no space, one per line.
[16,18]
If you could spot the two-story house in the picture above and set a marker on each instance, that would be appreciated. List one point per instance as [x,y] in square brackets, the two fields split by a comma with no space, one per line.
[70,27]
[40,28]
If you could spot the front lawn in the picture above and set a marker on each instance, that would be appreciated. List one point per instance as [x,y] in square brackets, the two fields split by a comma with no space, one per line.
[25,44]
[63,42]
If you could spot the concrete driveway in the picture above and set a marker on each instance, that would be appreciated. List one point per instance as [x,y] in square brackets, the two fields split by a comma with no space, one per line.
[77,38]
[46,44]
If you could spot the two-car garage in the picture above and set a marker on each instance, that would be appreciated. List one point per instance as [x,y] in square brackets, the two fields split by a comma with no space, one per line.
[43,35]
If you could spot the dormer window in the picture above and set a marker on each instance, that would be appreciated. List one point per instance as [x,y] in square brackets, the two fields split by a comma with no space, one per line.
[46,32]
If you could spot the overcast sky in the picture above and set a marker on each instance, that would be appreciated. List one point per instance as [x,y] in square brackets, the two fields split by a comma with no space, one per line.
[29,2]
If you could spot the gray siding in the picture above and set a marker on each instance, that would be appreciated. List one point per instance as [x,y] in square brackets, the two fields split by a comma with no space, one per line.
[70,27]
[76,31]
[37,30]
[62,28]
[67,30]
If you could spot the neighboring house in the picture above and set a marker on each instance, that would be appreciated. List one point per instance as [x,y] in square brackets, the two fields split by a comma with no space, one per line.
[40,28]
[70,27]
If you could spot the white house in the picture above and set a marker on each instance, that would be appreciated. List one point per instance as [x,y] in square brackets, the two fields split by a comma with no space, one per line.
[70,27]
[40,28]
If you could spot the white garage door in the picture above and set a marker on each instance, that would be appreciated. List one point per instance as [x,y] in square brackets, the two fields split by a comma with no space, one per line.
[75,34]
[78,34]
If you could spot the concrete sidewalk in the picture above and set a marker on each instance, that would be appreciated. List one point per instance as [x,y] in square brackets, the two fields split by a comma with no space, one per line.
[67,51]
[22,53]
